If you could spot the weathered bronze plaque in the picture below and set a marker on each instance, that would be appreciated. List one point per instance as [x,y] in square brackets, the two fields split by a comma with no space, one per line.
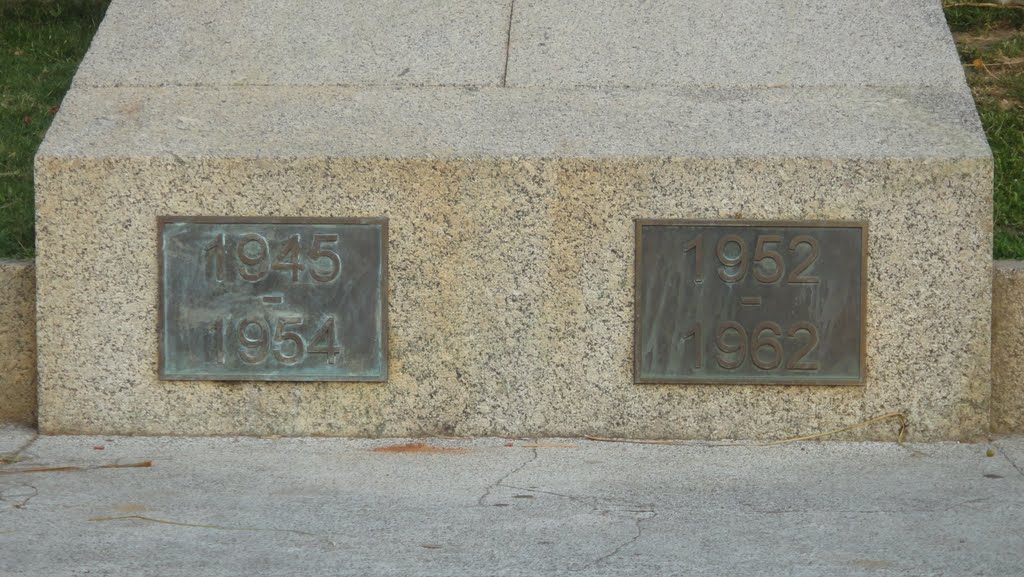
[268,299]
[737,302]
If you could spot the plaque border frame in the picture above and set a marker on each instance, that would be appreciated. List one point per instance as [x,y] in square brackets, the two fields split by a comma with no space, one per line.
[639,223]
[163,220]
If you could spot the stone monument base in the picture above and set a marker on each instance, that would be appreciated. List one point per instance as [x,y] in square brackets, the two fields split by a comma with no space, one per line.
[512,148]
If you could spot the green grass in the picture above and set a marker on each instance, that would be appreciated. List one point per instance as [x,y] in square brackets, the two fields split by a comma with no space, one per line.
[41,44]
[973,19]
[991,45]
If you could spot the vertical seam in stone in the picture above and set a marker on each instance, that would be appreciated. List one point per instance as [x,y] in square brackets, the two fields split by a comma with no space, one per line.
[786,78]
[508,42]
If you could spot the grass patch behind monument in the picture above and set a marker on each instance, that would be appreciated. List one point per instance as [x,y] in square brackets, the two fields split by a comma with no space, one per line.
[41,44]
[991,45]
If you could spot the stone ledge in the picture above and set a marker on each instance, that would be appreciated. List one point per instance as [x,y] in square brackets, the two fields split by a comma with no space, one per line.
[711,42]
[1008,346]
[291,122]
[553,43]
[17,342]
[318,42]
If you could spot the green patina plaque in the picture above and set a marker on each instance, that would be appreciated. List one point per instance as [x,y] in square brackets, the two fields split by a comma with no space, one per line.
[264,299]
[734,302]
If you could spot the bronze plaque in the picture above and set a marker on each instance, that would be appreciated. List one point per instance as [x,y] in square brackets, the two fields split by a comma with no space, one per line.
[273,299]
[735,302]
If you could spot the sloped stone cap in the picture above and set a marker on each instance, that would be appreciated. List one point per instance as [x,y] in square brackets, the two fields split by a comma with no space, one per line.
[546,43]
[547,78]
[502,122]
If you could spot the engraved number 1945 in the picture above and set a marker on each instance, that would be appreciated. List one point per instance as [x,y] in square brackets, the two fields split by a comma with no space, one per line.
[254,262]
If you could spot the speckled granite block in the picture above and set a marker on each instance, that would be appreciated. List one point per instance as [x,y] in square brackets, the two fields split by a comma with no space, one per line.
[511,199]
[17,342]
[1008,347]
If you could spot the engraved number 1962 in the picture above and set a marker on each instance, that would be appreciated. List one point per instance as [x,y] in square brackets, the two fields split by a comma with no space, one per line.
[763,346]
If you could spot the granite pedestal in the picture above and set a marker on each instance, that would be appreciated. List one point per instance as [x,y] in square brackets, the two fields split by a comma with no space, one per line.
[511,146]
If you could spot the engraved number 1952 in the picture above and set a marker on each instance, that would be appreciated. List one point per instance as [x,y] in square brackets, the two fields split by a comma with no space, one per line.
[733,255]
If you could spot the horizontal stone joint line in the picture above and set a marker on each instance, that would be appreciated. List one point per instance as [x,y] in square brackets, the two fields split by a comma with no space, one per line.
[474,87]
[471,87]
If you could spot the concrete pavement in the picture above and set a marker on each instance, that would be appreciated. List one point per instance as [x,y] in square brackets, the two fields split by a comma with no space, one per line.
[135,506]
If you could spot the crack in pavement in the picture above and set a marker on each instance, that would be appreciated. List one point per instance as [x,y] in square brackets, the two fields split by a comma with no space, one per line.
[218,527]
[15,455]
[592,502]
[639,533]
[638,512]
[499,482]
[1006,456]
[24,503]
[10,493]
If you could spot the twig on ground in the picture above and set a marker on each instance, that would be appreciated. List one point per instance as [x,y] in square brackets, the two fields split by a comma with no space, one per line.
[899,435]
[1011,62]
[979,64]
[74,468]
[632,441]
[200,525]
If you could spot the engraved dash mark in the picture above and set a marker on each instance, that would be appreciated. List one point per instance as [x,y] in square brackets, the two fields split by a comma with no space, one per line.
[750,301]
[273,300]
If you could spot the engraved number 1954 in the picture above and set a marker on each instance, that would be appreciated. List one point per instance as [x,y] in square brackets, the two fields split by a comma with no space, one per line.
[254,340]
